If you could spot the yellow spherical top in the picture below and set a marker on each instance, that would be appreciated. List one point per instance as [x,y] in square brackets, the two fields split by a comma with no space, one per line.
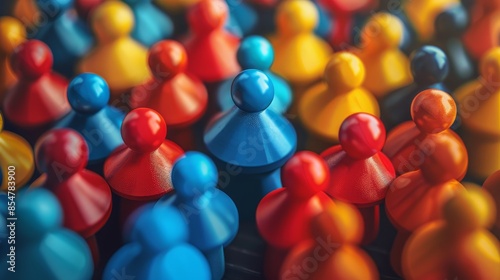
[296,16]
[12,33]
[344,72]
[382,31]
[112,20]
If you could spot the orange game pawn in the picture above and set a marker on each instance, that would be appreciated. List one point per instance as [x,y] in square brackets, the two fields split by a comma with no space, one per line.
[12,33]
[483,33]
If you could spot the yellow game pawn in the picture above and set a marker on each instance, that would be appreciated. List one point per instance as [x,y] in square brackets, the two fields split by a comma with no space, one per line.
[422,15]
[459,246]
[119,59]
[300,55]
[325,106]
[12,33]
[15,154]
[479,108]
[387,68]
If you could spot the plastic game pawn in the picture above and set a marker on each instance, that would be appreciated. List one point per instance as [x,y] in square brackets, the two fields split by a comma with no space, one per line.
[422,15]
[250,142]
[15,152]
[256,52]
[284,215]
[27,12]
[450,25]
[38,99]
[44,249]
[387,68]
[459,246]
[409,144]
[484,28]
[479,110]
[340,228]
[65,33]
[140,169]
[210,48]
[300,55]
[116,57]
[325,106]
[12,33]
[178,96]
[242,18]
[492,186]
[362,172]
[212,216]
[84,196]
[158,248]
[151,24]
[429,67]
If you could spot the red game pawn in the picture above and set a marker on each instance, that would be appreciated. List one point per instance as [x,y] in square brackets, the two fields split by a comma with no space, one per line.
[85,197]
[179,97]
[38,99]
[433,112]
[361,172]
[210,48]
[284,215]
[140,169]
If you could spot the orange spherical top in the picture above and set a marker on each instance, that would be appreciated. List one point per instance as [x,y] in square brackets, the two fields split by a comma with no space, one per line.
[305,174]
[433,111]
[143,130]
[167,58]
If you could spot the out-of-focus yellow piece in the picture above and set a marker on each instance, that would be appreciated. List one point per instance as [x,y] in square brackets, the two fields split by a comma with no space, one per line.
[119,59]
[459,246]
[175,6]
[16,152]
[423,13]
[300,56]
[12,33]
[325,106]
[27,12]
[479,107]
[387,68]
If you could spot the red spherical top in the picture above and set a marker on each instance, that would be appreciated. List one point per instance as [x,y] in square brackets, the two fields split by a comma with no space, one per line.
[61,153]
[144,130]
[31,59]
[167,58]
[362,135]
[207,15]
[433,111]
[305,174]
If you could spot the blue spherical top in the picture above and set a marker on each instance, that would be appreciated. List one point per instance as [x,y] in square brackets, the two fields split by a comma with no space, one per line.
[255,52]
[452,22]
[53,8]
[88,93]
[193,174]
[158,228]
[429,65]
[39,212]
[252,91]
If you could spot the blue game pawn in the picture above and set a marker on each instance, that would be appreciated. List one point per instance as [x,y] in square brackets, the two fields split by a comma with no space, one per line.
[242,18]
[66,34]
[430,67]
[158,249]
[151,24]
[255,52]
[44,249]
[450,25]
[92,117]
[211,215]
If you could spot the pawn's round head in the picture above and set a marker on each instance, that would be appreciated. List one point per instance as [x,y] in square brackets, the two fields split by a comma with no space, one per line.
[382,31]
[296,16]
[340,220]
[252,91]
[344,72]
[362,135]
[433,111]
[61,153]
[429,65]
[112,20]
[305,174]
[88,93]
[143,130]
[207,15]
[194,174]
[489,67]
[53,8]
[166,59]
[31,59]
[471,209]
[12,33]
[255,52]
[40,212]
[158,228]
[452,22]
